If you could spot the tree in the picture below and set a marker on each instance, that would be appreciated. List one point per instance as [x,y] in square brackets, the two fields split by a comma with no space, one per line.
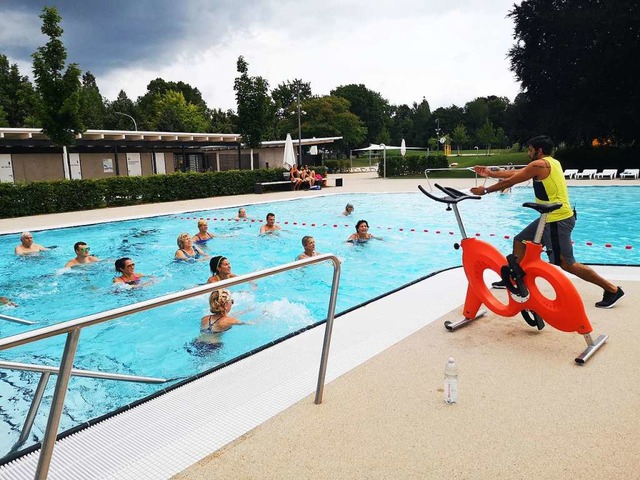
[476,113]
[17,97]
[401,124]
[286,94]
[329,116]
[255,111]
[114,120]
[573,59]
[459,136]
[172,113]
[422,123]
[92,105]
[222,122]
[486,135]
[450,117]
[369,106]
[59,89]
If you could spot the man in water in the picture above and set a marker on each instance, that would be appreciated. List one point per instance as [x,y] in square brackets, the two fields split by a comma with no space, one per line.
[270,226]
[82,255]
[309,245]
[27,247]
[549,186]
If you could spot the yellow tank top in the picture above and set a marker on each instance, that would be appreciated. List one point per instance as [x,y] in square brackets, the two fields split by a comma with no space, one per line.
[553,189]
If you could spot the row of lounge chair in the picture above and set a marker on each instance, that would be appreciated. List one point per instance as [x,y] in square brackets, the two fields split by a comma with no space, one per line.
[610,173]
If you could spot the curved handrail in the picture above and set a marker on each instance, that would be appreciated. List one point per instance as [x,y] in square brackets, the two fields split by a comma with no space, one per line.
[73,327]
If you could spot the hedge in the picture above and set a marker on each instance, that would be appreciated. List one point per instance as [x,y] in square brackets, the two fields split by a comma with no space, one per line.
[37,198]
[398,165]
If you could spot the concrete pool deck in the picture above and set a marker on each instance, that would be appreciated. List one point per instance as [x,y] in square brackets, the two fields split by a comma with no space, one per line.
[525,411]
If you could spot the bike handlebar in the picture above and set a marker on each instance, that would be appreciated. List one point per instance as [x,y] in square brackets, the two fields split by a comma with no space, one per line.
[453,195]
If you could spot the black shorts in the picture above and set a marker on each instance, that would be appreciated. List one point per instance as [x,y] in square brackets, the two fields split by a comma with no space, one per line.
[556,239]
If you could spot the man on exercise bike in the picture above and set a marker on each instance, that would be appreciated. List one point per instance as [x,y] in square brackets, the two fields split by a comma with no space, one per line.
[549,186]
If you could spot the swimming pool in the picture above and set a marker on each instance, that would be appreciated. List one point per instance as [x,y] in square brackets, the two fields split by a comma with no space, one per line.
[277,306]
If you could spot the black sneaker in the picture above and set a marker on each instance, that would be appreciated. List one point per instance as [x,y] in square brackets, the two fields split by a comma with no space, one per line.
[499,285]
[609,299]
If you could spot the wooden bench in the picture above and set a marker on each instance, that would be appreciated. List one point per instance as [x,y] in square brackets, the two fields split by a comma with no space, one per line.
[259,187]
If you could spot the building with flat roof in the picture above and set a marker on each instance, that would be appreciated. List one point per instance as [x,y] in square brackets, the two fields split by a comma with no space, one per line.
[28,155]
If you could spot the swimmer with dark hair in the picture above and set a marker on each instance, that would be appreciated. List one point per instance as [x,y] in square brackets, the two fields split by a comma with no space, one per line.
[220,269]
[6,301]
[362,233]
[126,268]
[270,226]
[348,210]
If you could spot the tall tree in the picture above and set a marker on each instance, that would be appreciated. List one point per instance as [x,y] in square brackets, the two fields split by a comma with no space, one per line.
[486,135]
[450,117]
[401,124]
[59,89]
[255,110]
[285,94]
[423,125]
[573,59]
[17,97]
[372,109]
[221,121]
[172,113]
[117,112]
[92,105]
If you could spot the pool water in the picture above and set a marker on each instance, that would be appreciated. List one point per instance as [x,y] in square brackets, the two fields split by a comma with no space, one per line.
[416,239]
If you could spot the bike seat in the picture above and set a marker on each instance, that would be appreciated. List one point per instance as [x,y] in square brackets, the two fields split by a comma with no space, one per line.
[542,207]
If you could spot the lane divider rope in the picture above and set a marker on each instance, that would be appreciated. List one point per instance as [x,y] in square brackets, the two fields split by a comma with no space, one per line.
[335,225]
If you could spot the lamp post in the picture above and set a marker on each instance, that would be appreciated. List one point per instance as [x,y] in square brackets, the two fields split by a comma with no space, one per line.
[135,125]
[438,133]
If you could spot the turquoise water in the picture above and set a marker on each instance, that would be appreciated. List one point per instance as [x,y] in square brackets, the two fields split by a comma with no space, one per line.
[160,342]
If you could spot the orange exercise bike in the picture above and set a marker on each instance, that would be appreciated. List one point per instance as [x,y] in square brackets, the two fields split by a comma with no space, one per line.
[564,312]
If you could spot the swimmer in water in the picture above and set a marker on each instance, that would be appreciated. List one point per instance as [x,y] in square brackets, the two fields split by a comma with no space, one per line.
[126,268]
[270,226]
[309,245]
[203,234]
[220,303]
[220,269]
[362,233]
[348,210]
[27,247]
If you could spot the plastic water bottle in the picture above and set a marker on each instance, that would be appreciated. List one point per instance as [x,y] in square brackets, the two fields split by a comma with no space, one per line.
[451,382]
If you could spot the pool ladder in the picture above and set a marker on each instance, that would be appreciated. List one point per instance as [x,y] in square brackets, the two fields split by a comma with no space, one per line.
[73,328]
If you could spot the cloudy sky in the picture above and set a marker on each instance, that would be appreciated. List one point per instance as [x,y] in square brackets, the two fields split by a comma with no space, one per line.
[448,51]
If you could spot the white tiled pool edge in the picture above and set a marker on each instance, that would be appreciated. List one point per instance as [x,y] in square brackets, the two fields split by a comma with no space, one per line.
[166,435]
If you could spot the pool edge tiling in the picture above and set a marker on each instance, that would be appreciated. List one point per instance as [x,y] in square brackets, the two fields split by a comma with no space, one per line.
[149,442]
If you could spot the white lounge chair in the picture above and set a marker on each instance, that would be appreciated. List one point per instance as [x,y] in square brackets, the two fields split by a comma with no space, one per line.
[630,173]
[609,173]
[587,173]
[570,173]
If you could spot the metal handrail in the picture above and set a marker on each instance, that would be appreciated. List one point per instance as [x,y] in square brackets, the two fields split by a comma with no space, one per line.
[16,320]
[73,327]
[449,169]
[46,371]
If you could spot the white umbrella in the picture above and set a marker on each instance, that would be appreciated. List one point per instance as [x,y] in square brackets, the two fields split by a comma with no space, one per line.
[403,148]
[289,159]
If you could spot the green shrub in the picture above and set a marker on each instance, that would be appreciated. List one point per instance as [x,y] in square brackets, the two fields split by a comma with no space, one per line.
[36,198]
[398,165]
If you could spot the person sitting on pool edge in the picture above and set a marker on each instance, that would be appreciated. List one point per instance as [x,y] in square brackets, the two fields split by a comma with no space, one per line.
[220,303]
[187,250]
[220,269]
[270,226]
[348,210]
[362,232]
[27,247]
[128,276]
[309,245]
[203,234]
[82,255]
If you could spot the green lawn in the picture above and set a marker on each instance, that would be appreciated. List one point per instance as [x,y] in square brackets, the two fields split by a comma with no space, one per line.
[463,162]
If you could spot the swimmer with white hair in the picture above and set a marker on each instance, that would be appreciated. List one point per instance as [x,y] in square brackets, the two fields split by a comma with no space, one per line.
[27,246]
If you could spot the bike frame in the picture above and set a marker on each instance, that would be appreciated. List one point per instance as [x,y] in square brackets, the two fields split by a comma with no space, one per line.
[565,312]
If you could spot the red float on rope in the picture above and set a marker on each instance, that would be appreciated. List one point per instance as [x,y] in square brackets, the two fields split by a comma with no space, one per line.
[628,247]
[608,245]
[589,243]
